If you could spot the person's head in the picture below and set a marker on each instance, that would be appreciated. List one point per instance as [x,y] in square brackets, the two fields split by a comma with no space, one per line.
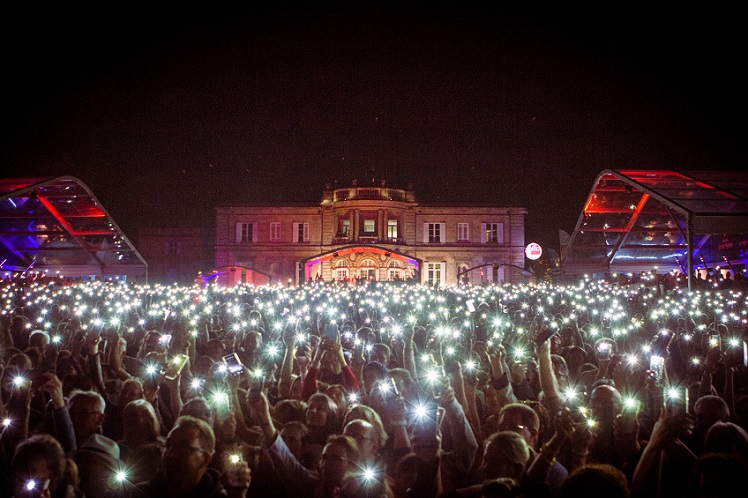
[368,414]
[727,438]
[374,372]
[522,419]
[337,393]
[403,381]
[151,344]
[505,455]
[575,358]
[86,410]
[252,342]
[380,352]
[605,403]
[719,475]
[404,476]
[321,413]
[38,461]
[367,437]
[293,434]
[141,422]
[98,460]
[289,410]
[594,481]
[339,456]
[709,410]
[39,339]
[199,408]
[188,452]
[132,389]
[214,349]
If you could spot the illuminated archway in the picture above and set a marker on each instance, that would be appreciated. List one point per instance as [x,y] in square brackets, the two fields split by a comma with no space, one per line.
[309,263]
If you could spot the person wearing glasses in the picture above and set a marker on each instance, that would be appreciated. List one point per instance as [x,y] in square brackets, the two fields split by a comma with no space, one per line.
[185,466]
[339,458]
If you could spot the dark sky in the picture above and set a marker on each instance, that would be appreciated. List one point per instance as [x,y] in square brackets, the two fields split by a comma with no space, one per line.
[166,114]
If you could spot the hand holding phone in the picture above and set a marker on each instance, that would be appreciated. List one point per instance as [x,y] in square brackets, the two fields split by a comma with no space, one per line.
[234,365]
[174,366]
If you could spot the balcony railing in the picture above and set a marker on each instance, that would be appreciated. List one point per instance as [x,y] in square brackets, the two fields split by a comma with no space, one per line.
[368,240]
[370,193]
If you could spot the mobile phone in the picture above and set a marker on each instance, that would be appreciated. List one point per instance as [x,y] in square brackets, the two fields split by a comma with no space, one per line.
[470,305]
[393,384]
[174,366]
[604,350]
[331,332]
[656,366]
[428,425]
[233,364]
[165,340]
[675,400]
[714,340]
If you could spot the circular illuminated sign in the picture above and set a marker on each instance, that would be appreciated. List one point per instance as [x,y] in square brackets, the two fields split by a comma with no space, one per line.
[533,251]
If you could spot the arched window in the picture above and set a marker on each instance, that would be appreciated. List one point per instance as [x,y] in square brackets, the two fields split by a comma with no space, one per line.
[368,269]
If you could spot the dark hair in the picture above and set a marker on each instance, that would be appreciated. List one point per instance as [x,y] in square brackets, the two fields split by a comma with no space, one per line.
[40,446]
[593,481]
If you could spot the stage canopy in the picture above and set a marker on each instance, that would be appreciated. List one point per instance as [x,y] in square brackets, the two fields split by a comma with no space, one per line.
[56,225]
[636,221]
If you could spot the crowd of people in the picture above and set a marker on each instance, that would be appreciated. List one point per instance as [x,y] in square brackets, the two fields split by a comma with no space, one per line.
[383,389]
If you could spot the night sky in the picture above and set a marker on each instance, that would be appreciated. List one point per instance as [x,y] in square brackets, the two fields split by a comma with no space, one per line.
[166,114]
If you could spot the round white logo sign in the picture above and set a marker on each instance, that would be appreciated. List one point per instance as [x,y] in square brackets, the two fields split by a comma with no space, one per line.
[533,251]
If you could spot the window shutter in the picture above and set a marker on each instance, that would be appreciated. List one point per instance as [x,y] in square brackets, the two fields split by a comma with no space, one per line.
[482,233]
[500,234]
[238,232]
[442,273]
[254,231]
[442,232]
[306,232]
[295,237]
[426,233]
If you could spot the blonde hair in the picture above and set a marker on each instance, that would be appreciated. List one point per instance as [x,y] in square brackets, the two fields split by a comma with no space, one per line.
[369,414]
[144,406]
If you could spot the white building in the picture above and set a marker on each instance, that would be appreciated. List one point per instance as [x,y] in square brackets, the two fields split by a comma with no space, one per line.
[376,233]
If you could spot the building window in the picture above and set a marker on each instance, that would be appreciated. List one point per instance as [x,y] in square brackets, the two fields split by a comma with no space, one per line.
[341,270]
[275,231]
[246,232]
[368,269]
[171,247]
[433,233]
[394,272]
[301,232]
[435,273]
[492,233]
[369,226]
[391,229]
[463,232]
[345,228]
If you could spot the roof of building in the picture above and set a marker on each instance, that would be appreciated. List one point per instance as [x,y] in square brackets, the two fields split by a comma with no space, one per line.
[639,218]
[57,224]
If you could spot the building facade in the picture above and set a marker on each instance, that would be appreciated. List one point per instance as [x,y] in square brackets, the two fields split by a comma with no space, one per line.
[174,254]
[372,233]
